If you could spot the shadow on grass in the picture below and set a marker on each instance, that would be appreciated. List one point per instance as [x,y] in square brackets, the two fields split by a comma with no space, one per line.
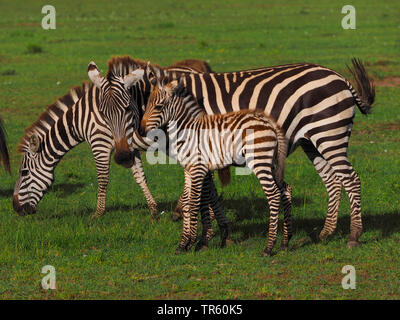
[247,210]
[6,193]
[66,189]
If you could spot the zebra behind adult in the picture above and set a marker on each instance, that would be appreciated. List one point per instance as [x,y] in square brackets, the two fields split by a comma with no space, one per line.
[4,154]
[115,105]
[313,105]
[207,142]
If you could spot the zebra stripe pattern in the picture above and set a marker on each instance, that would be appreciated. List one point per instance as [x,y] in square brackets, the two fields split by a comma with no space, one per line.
[203,143]
[314,106]
[72,119]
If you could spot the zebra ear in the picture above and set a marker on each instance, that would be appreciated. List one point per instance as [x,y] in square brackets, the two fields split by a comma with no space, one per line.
[177,87]
[133,77]
[173,85]
[34,143]
[94,74]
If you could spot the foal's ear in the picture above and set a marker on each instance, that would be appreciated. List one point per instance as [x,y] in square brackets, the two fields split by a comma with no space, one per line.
[94,74]
[177,86]
[34,143]
[172,85]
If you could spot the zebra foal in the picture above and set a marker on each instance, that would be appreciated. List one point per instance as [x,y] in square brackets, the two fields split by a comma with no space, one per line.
[203,143]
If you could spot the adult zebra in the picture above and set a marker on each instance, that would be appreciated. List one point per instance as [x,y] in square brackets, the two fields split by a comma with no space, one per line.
[4,155]
[72,119]
[314,106]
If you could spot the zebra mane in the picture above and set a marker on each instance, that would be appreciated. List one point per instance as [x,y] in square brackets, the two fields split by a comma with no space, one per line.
[120,66]
[53,112]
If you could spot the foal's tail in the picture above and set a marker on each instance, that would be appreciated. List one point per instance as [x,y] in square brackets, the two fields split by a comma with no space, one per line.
[280,154]
[4,155]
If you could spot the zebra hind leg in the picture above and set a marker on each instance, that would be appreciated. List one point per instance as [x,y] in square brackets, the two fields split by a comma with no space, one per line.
[271,190]
[350,181]
[207,231]
[332,184]
[286,198]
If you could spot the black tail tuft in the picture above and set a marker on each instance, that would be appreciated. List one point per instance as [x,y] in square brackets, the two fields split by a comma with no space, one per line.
[365,95]
[4,155]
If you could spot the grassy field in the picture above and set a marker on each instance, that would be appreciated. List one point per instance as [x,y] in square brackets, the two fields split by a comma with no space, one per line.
[124,255]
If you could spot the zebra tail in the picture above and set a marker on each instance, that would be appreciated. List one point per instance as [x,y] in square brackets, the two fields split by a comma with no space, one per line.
[4,155]
[224,176]
[365,96]
[281,155]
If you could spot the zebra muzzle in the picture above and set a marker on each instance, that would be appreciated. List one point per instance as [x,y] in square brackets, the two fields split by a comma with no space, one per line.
[23,210]
[123,156]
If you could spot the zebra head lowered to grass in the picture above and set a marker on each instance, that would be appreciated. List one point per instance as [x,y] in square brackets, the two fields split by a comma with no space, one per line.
[204,143]
[72,119]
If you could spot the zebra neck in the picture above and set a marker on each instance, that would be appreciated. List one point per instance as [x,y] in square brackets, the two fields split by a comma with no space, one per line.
[61,137]
[188,109]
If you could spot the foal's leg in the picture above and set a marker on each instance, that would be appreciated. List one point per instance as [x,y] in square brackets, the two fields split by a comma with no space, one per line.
[260,163]
[190,211]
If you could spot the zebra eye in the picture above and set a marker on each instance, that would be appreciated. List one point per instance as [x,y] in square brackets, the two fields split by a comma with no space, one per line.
[158,107]
[24,172]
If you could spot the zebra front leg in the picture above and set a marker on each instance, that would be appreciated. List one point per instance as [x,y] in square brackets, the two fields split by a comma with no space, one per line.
[286,198]
[191,207]
[178,212]
[103,168]
[140,178]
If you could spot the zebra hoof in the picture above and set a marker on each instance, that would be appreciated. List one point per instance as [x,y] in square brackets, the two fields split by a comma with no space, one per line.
[266,253]
[324,235]
[229,242]
[179,250]
[284,247]
[203,247]
[176,216]
[353,244]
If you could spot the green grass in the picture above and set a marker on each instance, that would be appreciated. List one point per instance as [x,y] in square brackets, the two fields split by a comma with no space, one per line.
[126,255]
